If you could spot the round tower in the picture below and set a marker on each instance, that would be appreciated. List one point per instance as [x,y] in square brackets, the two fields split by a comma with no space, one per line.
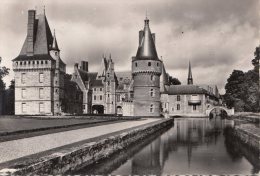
[58,77]
[146,71]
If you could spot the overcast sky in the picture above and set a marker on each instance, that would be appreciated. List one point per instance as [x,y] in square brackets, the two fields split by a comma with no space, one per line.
[217,36]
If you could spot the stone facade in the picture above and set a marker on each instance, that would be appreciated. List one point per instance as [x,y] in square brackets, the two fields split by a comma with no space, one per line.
[39,71]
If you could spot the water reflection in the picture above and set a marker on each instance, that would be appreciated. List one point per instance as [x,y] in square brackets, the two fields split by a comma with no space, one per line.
[191,146]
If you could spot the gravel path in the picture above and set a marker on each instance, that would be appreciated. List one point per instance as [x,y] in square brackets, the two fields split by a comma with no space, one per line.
[23,147]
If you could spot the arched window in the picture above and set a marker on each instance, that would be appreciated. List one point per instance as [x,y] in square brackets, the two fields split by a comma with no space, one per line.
[149,64]
[178,98]
[151,108]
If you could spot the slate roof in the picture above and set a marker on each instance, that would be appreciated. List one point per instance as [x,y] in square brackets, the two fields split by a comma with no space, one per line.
[186,89]
[147,49]
[43,37]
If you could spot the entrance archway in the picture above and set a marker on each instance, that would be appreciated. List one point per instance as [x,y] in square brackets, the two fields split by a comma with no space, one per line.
[98,109]
[119,110]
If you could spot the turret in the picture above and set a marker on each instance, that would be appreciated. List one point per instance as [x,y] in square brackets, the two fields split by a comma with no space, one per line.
[190,79]
[146,71]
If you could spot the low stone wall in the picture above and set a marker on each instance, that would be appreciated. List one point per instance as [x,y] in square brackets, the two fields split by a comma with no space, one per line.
[248,134]
[86,154]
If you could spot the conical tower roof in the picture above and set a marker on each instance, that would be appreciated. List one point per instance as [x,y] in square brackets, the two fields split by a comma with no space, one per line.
[147,49]
[190,79]
[54,43]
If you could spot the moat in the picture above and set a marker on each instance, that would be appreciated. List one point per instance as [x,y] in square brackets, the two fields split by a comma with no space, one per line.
[189,146]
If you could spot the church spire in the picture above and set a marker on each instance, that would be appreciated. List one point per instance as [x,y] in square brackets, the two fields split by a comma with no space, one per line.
[54,42]
[146,49]
[190,79]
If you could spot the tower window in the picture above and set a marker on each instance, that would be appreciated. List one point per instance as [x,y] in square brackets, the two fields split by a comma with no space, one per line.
[23,107]
[23,78]
[41,93]
[135,64]
[151,108]
[178,107]
[152,92]
[157,64]
[151,77]
[149,64]
[41,107]
[178,98]
[41,77]
[23,93]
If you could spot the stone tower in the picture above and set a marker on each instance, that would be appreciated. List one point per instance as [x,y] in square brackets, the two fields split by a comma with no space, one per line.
[190,79]
[110,88]
[39,71]
[58,77]
[146,71]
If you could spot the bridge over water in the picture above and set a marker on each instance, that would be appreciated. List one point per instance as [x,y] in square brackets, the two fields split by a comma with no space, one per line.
[228,111]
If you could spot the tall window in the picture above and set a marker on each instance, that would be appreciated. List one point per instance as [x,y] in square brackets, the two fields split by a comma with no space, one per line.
[41,77]
[23,107]
[100,97]
[41,107]
[95,97]
[151,108]
[151,77]
[178,98]
[41,93]
[178,107]
[23,93]
[152,92]
[23,78]
[100,89]
[135,64]
[194,107]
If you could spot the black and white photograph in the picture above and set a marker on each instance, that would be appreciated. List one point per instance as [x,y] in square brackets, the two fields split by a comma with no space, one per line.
[129,87]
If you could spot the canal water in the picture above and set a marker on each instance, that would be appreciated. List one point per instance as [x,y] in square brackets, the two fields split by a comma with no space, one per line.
[190,146]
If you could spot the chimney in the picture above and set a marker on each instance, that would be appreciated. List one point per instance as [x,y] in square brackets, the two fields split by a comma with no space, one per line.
[30,32]
[141,34]
[84,66]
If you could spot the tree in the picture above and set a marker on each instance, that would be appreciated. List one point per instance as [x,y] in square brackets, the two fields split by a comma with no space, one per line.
[234,90]
[3,72]
[255,61]
[9,99]
[174,81]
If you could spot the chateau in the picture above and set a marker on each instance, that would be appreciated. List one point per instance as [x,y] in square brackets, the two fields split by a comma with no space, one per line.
[144,91]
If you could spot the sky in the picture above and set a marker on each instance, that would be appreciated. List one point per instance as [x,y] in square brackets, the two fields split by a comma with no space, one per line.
[217,36]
